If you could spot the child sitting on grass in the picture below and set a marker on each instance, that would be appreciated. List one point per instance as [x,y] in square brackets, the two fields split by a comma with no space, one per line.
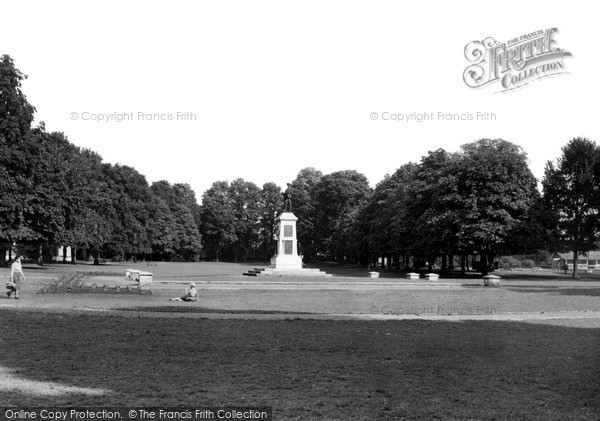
[190,294]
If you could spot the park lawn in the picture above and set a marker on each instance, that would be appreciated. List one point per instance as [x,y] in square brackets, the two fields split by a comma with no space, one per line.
[307,369]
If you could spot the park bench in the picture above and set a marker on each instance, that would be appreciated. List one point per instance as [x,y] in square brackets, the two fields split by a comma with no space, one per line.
[432,276]
[412,275]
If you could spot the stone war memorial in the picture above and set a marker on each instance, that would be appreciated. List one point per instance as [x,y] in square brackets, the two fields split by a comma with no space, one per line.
[286,261]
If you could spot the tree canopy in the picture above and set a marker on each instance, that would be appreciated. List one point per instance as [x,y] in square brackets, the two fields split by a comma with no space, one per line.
[571,190]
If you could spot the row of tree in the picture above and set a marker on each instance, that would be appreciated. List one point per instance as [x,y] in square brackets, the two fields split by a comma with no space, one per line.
[54,193]
[481,200]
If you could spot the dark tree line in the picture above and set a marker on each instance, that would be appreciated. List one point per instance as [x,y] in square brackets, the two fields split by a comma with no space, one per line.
[54,193]
[482,200]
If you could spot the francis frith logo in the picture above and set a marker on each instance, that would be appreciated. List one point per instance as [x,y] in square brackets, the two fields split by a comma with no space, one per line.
[514,63]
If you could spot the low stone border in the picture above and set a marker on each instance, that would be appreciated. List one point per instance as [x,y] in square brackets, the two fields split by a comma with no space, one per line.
[74,283]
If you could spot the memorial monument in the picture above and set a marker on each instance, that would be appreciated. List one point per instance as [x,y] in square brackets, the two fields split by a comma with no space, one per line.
[286,253]
[286,261]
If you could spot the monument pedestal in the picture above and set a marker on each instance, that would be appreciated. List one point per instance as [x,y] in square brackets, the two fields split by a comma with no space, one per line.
[286,261]
[286,255]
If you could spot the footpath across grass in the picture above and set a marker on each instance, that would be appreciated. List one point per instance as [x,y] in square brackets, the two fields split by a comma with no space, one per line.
[416,370]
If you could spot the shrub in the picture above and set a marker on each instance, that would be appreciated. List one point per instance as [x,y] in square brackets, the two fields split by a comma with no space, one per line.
[509,262]
[528,263]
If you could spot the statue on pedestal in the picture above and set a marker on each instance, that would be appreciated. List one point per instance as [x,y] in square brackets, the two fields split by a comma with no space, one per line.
[287,198]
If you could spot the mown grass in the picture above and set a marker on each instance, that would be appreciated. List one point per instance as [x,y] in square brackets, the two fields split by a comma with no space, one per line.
[309,369]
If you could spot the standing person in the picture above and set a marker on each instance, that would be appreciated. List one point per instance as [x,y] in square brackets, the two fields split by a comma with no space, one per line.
[16,277]
[190,294]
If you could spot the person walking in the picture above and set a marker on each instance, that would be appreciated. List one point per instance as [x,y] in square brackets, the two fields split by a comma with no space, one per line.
[16,278]
[565,267]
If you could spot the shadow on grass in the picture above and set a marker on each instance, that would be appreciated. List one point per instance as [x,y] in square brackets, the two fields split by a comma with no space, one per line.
[353,271]
[310,369]
[584,292]
[363,272]
[194,309]
[541,276]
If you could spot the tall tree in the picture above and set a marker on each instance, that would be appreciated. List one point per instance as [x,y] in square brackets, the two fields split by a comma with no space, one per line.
[218,220]
[303,206]
[383,221]
[494,191]
[432,215]
[270,206]
[338,199]
[571,190]
[86,198]
[181,201]
[96,220]
[45,194]
[16,113]
[16,116]
[246,200]
[132,209]
[161,228]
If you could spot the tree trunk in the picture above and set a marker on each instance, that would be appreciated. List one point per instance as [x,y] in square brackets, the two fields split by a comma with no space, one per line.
[97,257]
[444,263]
[64,251]
[483,263]
[575,259]
[491,261]
[463,259]
[40,258]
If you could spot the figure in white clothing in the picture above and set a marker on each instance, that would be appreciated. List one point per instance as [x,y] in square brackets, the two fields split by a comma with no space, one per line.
[17,277]
[190,294]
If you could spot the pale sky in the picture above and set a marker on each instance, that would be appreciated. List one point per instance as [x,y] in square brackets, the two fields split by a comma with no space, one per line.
[277,86]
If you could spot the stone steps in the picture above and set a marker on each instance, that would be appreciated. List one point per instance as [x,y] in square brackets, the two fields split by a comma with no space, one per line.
[317,273]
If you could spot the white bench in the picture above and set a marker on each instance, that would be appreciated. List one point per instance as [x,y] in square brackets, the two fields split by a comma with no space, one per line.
[145,278]
[491,281]
[412,275]
[432,276]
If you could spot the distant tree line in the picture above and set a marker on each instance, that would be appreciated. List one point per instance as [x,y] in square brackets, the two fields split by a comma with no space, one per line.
[482,200]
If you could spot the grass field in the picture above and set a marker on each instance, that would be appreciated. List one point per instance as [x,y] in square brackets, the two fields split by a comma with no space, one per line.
[306,369]
[303,369]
